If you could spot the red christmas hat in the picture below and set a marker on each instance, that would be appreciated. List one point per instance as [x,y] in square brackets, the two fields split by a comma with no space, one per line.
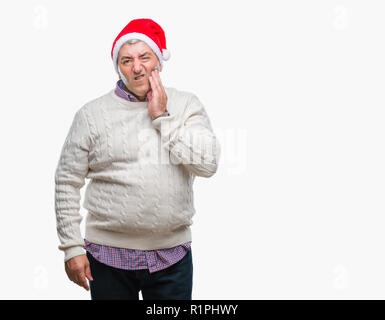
[146,30]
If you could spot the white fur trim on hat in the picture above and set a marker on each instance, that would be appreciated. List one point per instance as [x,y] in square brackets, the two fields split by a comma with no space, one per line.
[166,54]
[144,38]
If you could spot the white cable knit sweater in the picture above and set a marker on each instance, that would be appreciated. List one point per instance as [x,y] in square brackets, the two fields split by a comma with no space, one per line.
[141,171]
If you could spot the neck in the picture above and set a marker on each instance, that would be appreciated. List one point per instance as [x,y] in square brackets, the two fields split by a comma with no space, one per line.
[136,96]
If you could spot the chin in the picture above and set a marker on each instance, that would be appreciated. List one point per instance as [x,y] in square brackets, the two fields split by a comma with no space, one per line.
[138,88]
[142,90]
[140,93]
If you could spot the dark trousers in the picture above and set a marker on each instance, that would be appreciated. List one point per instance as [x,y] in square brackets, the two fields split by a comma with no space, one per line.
[172,283]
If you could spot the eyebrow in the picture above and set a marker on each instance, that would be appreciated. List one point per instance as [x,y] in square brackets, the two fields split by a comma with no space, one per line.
[143,54]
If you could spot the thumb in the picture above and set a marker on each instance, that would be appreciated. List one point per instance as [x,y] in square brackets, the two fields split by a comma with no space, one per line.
[88,273]
[149,94]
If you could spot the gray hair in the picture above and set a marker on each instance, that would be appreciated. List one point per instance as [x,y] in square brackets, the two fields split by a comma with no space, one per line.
[132,41]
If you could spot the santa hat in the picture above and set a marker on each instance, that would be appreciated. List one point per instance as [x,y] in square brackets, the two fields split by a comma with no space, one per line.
[145,30]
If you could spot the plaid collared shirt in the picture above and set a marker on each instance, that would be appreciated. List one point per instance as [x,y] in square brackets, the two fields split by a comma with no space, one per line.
[120,91]
[133,259]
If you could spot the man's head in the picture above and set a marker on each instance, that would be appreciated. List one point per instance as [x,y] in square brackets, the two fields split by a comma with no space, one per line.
[136,59]
[148,32]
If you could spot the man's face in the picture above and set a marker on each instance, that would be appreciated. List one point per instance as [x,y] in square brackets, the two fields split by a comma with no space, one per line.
[134,60]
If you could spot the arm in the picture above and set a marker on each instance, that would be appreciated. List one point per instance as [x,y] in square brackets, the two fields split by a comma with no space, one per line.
[69,179]
[191,139]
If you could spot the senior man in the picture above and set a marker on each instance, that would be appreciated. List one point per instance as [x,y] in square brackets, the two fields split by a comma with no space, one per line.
[141,145]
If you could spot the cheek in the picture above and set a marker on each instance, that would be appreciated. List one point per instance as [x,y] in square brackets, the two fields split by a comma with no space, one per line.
[151,65]
[124,70]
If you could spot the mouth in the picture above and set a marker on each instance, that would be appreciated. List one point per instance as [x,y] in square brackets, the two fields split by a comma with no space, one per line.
[139,78]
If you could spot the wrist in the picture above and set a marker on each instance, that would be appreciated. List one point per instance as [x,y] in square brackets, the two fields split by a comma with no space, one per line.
[164,114]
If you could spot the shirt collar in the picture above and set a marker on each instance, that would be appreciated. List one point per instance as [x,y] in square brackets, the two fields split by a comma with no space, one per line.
[120,91]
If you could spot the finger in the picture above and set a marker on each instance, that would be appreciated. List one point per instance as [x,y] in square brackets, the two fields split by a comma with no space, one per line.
[158,79]
[71,275]
[159,83]
[85,285]
[88,273]
[155,79]
[153,84]
[154,88]
[82,281]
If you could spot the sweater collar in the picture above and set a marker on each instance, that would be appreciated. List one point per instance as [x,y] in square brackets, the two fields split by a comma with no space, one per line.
[122,92]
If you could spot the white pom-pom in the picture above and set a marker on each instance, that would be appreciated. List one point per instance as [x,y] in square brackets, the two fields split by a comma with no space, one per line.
[166,54]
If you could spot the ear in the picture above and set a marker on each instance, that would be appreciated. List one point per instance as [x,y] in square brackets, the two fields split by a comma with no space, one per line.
[119,72]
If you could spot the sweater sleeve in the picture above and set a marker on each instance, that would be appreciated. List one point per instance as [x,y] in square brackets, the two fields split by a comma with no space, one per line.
[190,139]
[69,179]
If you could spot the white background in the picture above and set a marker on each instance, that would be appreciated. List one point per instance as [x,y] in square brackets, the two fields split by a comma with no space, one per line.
[295,93]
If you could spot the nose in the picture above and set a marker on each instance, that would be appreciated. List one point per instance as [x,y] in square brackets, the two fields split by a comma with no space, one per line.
[137,67]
